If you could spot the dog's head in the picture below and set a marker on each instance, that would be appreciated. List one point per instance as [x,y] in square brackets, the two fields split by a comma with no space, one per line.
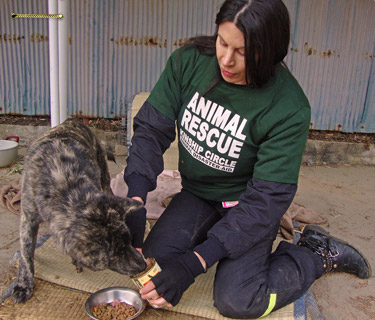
[102,240]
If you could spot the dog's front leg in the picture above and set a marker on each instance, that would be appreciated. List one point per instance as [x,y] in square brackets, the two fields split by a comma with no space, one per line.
[29,225]
[105,178]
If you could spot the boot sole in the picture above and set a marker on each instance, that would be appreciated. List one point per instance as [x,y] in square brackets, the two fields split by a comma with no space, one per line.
[320,230]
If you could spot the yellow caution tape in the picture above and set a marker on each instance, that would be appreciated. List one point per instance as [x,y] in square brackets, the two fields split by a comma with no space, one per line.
[36,16]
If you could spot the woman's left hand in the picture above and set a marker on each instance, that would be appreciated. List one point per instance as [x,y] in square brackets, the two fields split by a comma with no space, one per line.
[149,292]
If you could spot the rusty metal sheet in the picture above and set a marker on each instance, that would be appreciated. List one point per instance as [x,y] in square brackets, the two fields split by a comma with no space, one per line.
[332,56]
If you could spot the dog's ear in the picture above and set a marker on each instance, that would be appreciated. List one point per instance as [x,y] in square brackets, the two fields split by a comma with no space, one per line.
[130,205]
[117,205]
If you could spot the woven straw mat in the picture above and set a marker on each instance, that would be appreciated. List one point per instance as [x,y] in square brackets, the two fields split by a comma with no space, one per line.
[53,266]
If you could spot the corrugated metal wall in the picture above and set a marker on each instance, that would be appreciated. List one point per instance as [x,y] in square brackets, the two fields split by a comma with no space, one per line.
[332,55]
[24,78]
[119,47]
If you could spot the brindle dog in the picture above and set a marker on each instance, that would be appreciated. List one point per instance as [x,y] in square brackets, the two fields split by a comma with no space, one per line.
[66,183]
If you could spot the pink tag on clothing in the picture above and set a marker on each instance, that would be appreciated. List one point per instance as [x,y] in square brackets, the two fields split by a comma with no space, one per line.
[229,204]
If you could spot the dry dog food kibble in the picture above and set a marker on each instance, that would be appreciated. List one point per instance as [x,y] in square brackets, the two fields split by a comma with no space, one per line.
[115,310]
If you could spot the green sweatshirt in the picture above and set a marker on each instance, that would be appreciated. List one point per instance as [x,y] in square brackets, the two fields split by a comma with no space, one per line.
[233,132]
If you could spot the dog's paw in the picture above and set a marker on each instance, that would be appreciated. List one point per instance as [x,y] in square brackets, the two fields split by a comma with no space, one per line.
[20,294]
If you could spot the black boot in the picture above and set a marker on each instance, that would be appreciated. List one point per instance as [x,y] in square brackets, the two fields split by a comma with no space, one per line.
[336,254]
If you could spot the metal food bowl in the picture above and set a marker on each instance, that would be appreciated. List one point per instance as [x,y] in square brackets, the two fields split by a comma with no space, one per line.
[108,295]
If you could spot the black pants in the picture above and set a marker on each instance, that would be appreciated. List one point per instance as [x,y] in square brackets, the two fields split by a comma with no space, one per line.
[250,286]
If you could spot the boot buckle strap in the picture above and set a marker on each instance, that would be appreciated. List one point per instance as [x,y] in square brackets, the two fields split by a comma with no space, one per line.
[333,253]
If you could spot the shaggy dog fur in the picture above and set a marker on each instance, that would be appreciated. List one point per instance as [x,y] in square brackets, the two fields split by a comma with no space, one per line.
[66,183]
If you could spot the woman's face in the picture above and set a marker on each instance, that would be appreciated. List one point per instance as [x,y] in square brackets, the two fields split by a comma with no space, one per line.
[230,52]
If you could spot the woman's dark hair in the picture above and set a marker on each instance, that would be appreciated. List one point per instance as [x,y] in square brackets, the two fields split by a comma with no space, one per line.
[265,26]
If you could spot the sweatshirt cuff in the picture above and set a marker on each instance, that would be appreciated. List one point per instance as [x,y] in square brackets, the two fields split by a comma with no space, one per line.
[138,186]
[211,251]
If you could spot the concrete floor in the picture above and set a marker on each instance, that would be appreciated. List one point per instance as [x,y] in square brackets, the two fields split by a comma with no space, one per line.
[344,194]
